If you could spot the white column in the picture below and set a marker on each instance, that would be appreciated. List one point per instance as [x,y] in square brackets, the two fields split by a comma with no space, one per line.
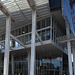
[29,58]
[69,50]
[32,66]
[73,49]
[12,60]
[7,46]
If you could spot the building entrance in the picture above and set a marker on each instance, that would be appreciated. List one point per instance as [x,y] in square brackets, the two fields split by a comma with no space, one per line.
[48,66]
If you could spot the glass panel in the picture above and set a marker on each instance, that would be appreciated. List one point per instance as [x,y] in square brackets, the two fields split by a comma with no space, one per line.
[43,23]
[23,30]
[47,34]
[57,72]
[19,31]
[10,43]
[30,28]
[26,39]
[23,39]
[49,66]
[48,22]
[55,3]
[51,72]
[26,29]
[29,38]
[0,46]
[38,25]
[16,44]
[43,35]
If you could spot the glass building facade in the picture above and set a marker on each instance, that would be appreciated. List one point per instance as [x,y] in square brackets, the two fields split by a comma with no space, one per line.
[45,65]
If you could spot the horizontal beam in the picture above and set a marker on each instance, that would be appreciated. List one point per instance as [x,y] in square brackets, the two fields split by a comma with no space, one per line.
[17,40]
[5,11]
[67,40]
[39,38]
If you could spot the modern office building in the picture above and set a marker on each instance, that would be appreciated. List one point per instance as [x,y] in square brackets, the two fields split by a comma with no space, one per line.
[29,43]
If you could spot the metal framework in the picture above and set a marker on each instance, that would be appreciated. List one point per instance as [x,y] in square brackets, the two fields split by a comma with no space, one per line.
[17,40]
[20,9]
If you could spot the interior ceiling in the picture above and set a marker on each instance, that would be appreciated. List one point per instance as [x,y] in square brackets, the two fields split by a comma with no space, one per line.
[21,12]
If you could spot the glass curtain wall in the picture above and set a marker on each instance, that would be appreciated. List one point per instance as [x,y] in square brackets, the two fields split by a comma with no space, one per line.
[24,33]
[49,66]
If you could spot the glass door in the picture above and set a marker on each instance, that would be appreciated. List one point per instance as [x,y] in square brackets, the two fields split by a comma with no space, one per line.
[48,67]
[21,67]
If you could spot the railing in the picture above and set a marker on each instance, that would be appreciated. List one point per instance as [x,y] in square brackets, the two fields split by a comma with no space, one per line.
[26,40]
[65,38]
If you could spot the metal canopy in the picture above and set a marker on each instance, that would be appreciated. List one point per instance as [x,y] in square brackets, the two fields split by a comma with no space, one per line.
[21,12]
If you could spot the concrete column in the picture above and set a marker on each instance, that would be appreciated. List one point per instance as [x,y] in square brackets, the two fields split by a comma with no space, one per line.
[7,46]
[73,49]
[29,58]
[32,65]
[69,50]
[12,60]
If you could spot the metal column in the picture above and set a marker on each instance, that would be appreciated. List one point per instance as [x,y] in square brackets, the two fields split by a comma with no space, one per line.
[29,58]
[32,65]
[0,63]
[12,60]
[7,45]
[69,50]
[73,49]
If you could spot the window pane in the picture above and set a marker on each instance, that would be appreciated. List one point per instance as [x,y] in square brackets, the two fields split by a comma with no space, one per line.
[38,25]
[26,29]
[43,35]
[43,23]
[26,39]
[47,34]
[30,28]
[23,30]
[19,31]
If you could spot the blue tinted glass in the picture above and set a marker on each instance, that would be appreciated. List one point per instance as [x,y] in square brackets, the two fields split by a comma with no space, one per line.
[55,3]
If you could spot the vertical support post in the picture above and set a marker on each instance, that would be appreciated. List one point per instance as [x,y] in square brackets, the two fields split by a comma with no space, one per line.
[12,60]
[69,50]
[32,65]
[73,49]
[7,45]
[29,58]
[0,63]
[51,27]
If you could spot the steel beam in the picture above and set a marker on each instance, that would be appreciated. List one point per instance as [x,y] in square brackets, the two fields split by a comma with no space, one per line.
[32,64]
[7,46]
[39,38]
[17,40]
